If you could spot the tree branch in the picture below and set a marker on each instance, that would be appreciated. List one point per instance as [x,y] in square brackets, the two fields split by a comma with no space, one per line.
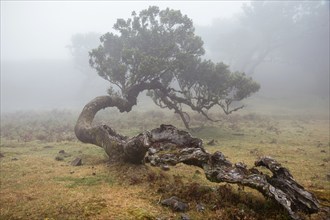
[281,186]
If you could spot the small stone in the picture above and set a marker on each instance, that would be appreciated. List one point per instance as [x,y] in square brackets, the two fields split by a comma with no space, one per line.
[200,207]
[175,204]
[71,172]
[64,154]
[152,151]
[165,167]
[185,217]
[48,147]
[76,162]
[211,143]
[215,207]
[59,158]
[153,163]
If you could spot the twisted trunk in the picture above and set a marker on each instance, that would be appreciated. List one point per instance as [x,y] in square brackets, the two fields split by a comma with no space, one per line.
[167,145]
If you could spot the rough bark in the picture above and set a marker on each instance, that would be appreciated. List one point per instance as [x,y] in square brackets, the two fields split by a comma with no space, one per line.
[167,145]
[101,135]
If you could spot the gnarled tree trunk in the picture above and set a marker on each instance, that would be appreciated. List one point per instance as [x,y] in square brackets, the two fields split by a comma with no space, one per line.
[167,145]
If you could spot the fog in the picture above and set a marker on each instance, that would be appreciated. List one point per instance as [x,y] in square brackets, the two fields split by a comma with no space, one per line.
[39,71]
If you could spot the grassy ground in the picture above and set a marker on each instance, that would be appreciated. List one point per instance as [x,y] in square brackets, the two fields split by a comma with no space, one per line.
[39,183]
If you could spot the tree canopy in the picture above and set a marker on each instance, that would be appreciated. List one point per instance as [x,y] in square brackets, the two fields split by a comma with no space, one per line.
[157,50]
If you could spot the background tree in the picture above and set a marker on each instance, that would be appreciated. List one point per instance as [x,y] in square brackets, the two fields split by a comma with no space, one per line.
[158,51]
[81,44]
[290,36]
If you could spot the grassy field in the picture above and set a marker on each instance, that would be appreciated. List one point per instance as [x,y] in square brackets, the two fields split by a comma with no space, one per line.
[38,182]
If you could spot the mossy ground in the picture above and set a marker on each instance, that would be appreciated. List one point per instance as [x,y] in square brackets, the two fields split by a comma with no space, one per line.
[34,185]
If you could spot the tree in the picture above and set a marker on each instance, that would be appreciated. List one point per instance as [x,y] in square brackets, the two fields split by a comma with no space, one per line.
[158,51]
[79,48]
[293,32]
[295,22]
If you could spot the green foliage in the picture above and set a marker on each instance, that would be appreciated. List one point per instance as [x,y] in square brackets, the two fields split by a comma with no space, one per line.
[152,45]
[158,51]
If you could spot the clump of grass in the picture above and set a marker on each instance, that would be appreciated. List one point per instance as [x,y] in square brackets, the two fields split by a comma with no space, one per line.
[85,181]
[141,214]
[59,158]
[94,206]
[134,180]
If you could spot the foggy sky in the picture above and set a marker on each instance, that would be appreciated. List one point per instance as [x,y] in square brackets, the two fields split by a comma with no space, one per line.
[41,29]
[38,72]
[34,36]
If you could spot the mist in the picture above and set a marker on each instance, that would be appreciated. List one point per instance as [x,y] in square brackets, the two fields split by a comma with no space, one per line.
[164,110]
[44,85]
[283,45]
[39,69]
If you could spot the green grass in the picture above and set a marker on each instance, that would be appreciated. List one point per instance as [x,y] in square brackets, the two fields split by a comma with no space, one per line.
[73,182]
